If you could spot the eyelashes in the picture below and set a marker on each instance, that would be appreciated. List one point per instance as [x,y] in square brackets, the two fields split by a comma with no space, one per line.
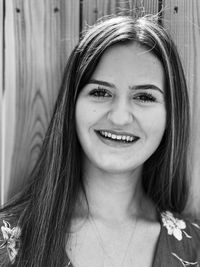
[102,93]
[145,97]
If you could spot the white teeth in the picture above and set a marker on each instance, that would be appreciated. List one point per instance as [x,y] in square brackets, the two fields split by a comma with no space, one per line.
[126,138]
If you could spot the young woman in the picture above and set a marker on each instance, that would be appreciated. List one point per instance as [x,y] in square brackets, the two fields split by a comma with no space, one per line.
[110,184]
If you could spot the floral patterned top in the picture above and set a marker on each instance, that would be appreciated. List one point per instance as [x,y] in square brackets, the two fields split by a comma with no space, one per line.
[178,243]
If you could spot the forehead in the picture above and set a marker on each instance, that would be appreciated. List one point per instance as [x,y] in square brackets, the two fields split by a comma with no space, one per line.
[130,63]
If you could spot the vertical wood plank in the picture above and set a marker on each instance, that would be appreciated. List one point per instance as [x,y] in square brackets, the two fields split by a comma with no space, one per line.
[1,92]
[95,9]
[8,97]
[44,33]
[69,28]
[181,18]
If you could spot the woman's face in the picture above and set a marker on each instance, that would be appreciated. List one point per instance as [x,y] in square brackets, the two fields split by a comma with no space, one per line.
[120,113]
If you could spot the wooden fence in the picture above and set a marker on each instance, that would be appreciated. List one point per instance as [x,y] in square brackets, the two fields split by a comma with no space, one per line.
[37,37]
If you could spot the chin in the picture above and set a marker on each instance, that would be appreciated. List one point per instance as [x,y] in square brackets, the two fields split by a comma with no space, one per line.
[118,168]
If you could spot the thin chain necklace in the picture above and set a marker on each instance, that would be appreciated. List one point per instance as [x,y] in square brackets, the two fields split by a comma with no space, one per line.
[101,242]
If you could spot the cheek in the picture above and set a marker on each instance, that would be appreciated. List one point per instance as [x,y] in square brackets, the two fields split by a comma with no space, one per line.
[158,125]
[88,113]
[154,124]
[85,115]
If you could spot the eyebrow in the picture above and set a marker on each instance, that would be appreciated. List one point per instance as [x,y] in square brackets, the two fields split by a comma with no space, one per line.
[135,87]
[146,87]
[104,83]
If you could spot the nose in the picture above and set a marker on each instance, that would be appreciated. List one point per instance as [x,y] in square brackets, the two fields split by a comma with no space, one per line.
[120,113]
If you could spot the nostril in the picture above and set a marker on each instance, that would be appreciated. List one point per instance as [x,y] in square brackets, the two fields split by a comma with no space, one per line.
[120,117]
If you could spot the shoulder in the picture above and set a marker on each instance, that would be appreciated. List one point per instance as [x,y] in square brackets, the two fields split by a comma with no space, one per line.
[9,241]
[183,237]
[179,225]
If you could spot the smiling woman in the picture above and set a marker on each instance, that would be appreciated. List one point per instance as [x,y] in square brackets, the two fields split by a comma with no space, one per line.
[120,122]
[111,180]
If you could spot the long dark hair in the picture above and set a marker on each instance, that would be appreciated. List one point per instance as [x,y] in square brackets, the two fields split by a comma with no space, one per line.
[45,207]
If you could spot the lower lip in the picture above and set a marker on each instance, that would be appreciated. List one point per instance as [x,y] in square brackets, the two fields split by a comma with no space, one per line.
[115,143]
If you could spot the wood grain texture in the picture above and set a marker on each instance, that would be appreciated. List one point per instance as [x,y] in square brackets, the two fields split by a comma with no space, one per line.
[182,19]
[9,97]
[44,33]
[95,9]
[1,92]
[69,28]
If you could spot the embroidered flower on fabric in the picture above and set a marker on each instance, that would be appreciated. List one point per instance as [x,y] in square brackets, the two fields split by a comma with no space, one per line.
[11,240]
[174,226]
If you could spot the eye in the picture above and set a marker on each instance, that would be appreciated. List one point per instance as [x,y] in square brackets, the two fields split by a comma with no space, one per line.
[100,93]
[145,97]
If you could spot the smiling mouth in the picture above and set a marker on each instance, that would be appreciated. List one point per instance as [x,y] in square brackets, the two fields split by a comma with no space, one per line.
[120,138]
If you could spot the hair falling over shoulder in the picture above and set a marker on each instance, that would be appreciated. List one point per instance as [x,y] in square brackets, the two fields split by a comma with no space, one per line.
[43,209]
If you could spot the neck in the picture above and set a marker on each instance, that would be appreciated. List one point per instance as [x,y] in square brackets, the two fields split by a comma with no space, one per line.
[115,197]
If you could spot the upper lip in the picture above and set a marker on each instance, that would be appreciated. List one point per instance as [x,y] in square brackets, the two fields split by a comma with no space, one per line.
[117,132]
